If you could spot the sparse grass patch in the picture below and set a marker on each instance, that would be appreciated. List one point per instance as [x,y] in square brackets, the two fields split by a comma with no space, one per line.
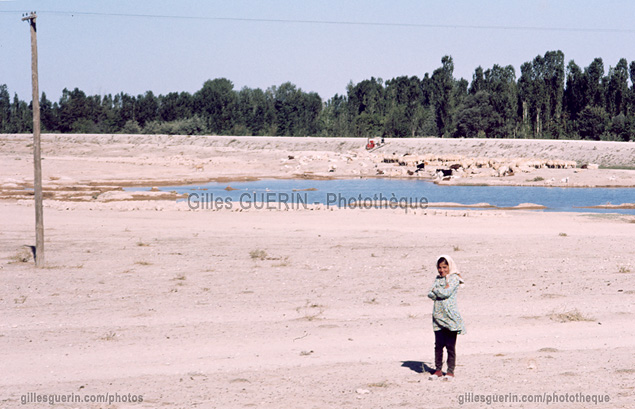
[382,384]
[604,216]
[283,263]
[110,336]
[551,296]
[143,263]
[20,300]
[258,254]
[570,316]
[180,277]
[456,248]
[538,179]
[142,244]
[622,167]
[548,349]
[627,370]
[623,270]
[310,310]
[562,234]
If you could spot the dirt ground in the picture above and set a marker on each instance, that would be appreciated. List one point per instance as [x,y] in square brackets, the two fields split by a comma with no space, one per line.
[319,308]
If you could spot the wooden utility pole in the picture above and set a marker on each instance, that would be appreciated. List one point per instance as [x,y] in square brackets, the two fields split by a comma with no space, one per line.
[37,161]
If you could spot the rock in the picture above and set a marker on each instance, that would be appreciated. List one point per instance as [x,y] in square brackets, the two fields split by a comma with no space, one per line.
[24,254]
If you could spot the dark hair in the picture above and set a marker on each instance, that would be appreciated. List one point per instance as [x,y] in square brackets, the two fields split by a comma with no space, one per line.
[442,260]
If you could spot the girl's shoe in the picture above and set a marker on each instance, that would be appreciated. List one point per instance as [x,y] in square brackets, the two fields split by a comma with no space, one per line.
[436,375]
[449,377]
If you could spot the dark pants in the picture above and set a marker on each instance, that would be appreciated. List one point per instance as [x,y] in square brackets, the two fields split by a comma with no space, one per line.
[445,339]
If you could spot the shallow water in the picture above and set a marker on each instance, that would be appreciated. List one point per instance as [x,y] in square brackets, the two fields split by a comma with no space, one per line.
[344,191]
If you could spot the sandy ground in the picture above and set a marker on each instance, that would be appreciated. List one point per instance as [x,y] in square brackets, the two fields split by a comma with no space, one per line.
[78,167]
[301,308]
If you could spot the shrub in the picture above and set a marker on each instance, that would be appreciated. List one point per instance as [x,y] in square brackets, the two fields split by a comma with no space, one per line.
[131,127]
[190,126]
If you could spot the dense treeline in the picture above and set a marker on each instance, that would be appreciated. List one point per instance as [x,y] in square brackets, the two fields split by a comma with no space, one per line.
[547,100]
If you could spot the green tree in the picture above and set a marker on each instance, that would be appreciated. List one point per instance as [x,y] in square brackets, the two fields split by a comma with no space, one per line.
[334,118]
[76,110]
[367,96]
[478,81]
[631,71]
[541,92]
[296,112]
[48,115]
[369,125]
[500,82]
[575,98]
[397,124]
[404,98]
[443,96]
[621,128]
[594,88]
[147,108]
[21,118]
[126,107]
[617,92]
[554,78]
[310,114]
[215,103]
[593,122]
[261,113]
[174,106]
[168,106]
[478,116]
[5,109]
[109,122]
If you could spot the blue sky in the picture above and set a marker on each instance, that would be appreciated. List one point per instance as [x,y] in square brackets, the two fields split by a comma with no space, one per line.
[103,54]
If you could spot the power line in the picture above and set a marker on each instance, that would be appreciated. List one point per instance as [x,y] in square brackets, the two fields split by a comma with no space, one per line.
[343,23]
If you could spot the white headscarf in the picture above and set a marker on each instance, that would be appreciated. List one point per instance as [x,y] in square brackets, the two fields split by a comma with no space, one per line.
[452,267]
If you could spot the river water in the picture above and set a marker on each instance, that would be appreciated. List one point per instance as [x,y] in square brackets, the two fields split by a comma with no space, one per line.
[342,192]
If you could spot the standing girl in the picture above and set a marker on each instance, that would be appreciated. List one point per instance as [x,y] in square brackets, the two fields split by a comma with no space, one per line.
[446,320]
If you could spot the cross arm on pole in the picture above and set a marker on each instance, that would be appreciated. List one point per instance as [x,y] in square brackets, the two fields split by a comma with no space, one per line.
[30,16]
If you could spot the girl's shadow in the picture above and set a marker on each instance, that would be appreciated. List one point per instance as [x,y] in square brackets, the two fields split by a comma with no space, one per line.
[417,366]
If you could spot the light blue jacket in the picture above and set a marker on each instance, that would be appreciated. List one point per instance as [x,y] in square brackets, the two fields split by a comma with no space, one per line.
[445,313]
